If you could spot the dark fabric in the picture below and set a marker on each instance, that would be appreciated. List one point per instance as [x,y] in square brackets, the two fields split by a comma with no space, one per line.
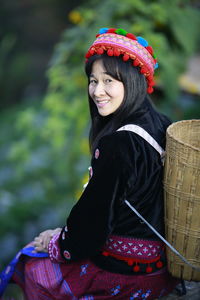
[127,168]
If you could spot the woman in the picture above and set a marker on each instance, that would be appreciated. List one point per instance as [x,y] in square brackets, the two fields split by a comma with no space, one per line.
[105,251]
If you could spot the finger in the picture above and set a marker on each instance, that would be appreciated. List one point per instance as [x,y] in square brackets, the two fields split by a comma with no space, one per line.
[40,249]
[37,245]
[38,239]
[46,240]
[45,232]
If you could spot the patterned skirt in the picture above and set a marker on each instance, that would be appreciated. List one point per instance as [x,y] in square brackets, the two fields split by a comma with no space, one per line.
[42,279]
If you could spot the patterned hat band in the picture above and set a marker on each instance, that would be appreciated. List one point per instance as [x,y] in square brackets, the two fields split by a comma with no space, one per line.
[118,42]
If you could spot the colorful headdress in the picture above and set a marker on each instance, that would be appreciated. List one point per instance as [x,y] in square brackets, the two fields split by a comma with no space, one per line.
[116,42]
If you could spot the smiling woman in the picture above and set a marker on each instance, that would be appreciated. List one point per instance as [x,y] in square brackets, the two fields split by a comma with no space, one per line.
[106,91]
[103,251]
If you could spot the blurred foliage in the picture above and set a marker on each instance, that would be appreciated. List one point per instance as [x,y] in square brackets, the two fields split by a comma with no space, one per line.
[171,28]
[41,171]
[44,149]
[28,31]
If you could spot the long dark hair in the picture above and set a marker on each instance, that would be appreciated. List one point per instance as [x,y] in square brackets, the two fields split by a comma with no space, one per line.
[135,91]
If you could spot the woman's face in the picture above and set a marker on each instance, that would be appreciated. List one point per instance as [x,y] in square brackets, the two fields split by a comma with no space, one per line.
[106,92]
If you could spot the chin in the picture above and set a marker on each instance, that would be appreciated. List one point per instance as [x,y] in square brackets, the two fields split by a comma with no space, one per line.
[104,114]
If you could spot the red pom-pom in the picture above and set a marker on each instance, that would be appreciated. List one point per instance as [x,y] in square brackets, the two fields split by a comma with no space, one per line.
[87,55]
[111,30]
[105,253]
[116,52]
[126,57]
[150,90]
[136,268]
[143,70]
[110,52]
[149,269]
[159,264]
[130,262]
[152,83]
[97,35]
[100,51]
[92,51]
[131,36]
[149,49]
[136,62]
[149,78]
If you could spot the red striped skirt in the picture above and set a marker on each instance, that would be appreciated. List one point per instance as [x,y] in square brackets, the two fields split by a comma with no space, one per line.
[40,278]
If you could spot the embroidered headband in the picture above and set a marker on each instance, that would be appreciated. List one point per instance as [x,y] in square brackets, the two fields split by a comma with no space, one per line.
[116,42]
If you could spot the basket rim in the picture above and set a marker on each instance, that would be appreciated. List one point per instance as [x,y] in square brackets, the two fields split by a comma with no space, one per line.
[169,128]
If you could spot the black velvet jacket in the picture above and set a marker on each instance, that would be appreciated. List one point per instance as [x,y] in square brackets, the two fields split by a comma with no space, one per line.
[127,167]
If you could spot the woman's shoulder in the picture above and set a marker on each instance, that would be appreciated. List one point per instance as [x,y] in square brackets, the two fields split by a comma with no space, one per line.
[123,141]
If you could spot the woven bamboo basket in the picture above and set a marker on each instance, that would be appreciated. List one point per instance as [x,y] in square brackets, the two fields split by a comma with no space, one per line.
[182,197]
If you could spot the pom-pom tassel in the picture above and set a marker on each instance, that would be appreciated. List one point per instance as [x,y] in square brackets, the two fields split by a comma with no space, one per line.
[100,51]
[149,269]
[136,268]
[131,36]
[126,57]
[149,78]
[112,30]
[143,70]
[159,264]
[130,261]
[150,90]
[105,253]
[87,55]
[116,52]
[136,62]
[110,52]
[92,51]
[150,49]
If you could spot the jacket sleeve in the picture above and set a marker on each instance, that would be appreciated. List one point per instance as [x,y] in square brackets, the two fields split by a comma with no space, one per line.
[93,217]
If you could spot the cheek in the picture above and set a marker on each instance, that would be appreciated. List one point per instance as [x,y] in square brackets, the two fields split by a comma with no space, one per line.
[90,91]
[118,93]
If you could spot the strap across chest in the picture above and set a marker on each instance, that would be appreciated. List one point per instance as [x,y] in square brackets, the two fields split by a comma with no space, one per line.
[146,136]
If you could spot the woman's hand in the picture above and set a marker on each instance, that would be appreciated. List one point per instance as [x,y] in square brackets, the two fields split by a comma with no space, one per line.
[41,242]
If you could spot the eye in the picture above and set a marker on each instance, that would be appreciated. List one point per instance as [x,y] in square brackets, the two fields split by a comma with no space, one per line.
[108,80]
[92,81]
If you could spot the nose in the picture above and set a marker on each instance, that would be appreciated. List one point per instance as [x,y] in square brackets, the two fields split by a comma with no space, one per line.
[99,90]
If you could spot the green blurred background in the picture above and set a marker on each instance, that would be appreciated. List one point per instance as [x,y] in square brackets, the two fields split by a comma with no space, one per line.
[44,116]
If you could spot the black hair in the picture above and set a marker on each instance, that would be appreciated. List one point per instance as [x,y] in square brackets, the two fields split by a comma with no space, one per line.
[135,91]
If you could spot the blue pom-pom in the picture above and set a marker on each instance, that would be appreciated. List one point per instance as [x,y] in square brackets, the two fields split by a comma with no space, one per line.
[156,66]
[142,41]
[103,30]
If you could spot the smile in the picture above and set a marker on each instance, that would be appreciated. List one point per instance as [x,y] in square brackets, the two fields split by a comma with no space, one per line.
[102,103]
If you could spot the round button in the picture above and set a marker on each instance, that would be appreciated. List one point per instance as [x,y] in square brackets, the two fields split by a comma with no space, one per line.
[67,254]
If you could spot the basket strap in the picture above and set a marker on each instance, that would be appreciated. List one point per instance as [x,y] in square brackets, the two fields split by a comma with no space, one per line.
[161,237]
[146,136]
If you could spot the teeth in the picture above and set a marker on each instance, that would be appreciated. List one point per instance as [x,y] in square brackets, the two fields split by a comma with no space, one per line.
[102,101]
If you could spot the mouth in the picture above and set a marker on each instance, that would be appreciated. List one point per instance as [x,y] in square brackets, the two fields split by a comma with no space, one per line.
[102,103]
